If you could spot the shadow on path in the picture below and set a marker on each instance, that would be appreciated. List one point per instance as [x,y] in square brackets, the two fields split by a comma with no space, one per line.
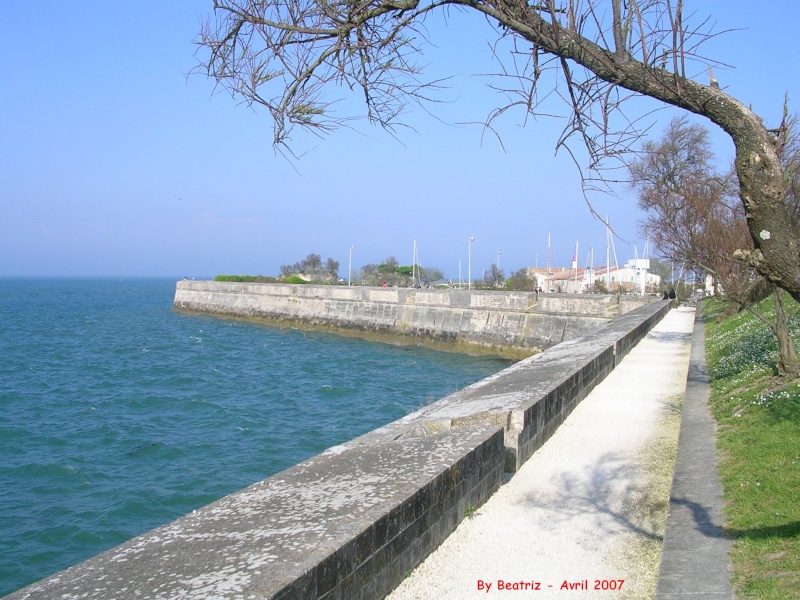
[611,493]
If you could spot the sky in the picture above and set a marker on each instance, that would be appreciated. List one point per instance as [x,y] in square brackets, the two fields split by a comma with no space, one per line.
[116,162]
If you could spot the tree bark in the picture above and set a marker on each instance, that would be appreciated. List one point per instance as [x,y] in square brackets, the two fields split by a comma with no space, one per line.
[788,364]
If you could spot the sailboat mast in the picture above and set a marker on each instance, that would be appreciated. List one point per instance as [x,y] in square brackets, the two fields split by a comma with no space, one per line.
[414,264]
[575,265]
[549,273]
[608,255]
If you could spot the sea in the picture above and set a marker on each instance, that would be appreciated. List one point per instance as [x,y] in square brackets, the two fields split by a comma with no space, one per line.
[119,414]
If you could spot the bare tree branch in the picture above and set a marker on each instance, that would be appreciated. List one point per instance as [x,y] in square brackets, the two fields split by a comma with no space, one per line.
[295,56]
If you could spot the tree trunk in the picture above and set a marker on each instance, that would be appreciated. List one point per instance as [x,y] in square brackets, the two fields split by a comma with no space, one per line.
[788,364]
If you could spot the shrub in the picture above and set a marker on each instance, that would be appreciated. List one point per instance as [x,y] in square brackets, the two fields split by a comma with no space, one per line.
[246,278]
[293,279]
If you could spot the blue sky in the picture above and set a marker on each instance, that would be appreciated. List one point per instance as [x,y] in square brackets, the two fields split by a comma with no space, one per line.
[114,163]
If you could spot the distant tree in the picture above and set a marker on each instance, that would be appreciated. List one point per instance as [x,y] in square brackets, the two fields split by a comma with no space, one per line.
[311,268]
[690,212]
[312,263]
[388,265]
[662,269]
[366,275]
[428,275]
[521,281]
[332,267]
[693,217]
[789,151]
[493,277]
[369,269]
[392,274]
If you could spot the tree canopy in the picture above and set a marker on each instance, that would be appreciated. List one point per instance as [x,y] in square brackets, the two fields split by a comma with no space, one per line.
[691,211]
[285,55]
[313,268]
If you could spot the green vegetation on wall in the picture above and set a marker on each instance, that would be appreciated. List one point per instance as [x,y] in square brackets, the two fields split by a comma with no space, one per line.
[246,278]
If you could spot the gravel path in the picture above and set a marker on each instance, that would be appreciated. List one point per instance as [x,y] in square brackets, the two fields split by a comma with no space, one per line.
[588,509]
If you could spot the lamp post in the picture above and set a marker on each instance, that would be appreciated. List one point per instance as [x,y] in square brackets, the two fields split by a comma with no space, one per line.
[469,262]
[498,268]
[350,265]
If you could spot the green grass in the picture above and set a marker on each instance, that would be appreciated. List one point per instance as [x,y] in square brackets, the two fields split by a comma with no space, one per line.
[759,445]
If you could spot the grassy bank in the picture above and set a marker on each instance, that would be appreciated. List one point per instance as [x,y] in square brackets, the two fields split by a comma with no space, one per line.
[759,444]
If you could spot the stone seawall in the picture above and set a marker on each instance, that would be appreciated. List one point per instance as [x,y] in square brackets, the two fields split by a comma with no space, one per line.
[510,323]
[352,522]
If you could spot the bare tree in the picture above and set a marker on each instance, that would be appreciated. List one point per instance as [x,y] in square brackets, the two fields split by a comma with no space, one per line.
[311,263]
[367,275]
[493,276]
[690,214]
[429,275]
[312,267]
[788,143]
[285,54]
[332,267]
[388,265]
[693,218]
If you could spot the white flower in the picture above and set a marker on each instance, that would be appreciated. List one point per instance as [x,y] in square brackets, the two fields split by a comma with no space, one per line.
[764,235]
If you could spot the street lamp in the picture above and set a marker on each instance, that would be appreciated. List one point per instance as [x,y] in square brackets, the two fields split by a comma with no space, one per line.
[350,265]
[498,268]
[469,262]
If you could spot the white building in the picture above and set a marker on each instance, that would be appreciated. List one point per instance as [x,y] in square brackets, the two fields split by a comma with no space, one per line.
[630,278]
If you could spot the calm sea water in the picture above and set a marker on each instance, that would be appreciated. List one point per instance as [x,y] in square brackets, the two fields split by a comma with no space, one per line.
[119,414]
